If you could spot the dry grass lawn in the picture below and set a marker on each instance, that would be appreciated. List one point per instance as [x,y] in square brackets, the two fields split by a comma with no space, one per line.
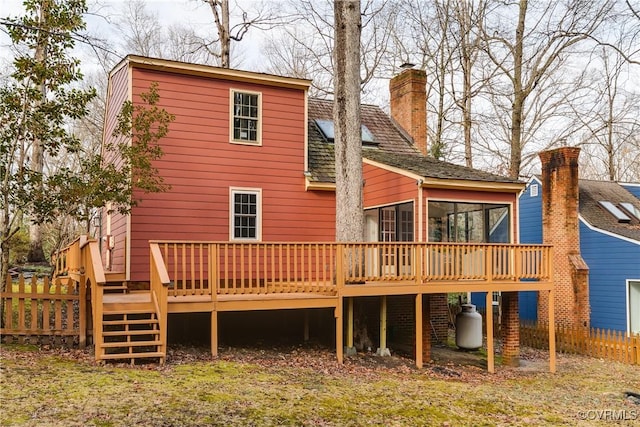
[305,386]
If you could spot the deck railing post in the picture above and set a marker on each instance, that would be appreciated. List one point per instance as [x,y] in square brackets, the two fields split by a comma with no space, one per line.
[82,311]
[214,270]
[514,251]
[97,318]
[489,263]
[160,290]
[340,270]
[417,263]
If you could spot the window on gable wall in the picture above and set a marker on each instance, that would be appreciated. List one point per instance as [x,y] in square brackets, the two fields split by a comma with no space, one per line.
[246,115]
[245,214]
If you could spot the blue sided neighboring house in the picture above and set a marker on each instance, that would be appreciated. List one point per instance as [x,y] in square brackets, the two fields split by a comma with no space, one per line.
[632,187]
[609,218]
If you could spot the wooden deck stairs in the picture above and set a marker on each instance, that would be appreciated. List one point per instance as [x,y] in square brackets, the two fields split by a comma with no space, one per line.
[131,329]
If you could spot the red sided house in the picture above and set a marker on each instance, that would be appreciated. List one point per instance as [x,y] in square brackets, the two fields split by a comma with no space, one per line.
[249,222]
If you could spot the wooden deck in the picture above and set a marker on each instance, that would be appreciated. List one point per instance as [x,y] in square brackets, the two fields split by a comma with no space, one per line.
[216,277]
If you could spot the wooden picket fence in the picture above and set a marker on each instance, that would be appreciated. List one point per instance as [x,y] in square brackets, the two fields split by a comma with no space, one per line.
[600,343]
[39,312]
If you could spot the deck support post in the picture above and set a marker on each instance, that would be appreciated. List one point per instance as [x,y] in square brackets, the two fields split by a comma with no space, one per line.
[489,320]
[82,311]
[350,349]
[552,333]
[214,333]
[418,319]
[383,350]
[339,331]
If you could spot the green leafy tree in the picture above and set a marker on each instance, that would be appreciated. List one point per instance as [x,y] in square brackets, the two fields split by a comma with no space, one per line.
[39,102]
[96,180]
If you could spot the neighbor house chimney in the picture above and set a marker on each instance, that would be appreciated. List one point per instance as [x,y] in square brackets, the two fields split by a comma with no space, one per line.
[408,98]
[560,228]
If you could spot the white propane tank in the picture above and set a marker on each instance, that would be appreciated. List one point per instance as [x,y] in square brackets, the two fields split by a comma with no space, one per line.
[469,328]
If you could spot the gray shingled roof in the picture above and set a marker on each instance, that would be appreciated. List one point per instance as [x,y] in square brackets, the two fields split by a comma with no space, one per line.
[591,192]
[394,148]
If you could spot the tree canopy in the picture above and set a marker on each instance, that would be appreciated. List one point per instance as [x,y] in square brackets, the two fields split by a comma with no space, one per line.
[47,170]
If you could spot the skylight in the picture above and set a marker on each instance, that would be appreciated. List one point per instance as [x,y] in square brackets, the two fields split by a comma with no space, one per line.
[613,210]
[631,209]
[327,129]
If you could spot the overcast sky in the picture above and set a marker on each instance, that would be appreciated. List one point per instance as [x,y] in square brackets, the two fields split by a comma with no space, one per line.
[102,14]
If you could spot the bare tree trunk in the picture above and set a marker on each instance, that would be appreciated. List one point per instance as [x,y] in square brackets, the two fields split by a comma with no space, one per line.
[466,109]
[36,253]
[4,258]
[225,40]
[611,157]
[221,17]
[346,116]
[467,48]
[518,95]
[438,146]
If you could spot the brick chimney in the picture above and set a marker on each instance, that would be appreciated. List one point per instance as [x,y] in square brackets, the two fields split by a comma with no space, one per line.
[408,98]
[560,228]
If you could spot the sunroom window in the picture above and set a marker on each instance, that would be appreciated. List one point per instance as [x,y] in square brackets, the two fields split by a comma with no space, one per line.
[469,222]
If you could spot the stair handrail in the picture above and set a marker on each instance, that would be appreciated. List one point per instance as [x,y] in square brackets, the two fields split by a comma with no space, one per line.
[82,263]
[159,289]
[92,271]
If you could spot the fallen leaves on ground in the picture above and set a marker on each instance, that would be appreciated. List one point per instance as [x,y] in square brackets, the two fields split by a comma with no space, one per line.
[305,385]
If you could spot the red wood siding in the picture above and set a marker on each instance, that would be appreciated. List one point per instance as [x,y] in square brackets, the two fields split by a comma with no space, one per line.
[118,94]
[201,165]
[383,187]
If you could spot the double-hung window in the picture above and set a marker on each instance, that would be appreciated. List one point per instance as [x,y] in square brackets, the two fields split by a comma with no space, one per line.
[246,115]
[245,213]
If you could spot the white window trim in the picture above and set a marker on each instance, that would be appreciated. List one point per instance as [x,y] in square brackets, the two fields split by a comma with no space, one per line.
[244,190]
[628,302]
[232,140]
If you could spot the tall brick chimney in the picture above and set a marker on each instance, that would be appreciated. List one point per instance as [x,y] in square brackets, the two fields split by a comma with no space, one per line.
[560,228]
[408,98]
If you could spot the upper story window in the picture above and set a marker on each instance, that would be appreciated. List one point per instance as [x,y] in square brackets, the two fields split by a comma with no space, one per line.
[246,116]
[245,213]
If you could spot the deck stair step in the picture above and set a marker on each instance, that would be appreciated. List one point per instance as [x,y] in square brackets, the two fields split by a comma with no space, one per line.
[126,344]
[130,322]
[116,287]
[128,312]
[130,331]
[114,356]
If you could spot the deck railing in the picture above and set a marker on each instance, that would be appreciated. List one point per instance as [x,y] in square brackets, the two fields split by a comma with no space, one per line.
[68,260]
[246,268]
